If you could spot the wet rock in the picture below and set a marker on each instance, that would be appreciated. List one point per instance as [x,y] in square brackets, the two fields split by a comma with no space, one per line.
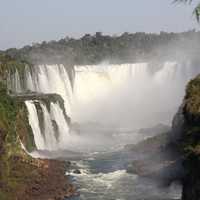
[67,164]
[77,171]
[155,130]
[157,159]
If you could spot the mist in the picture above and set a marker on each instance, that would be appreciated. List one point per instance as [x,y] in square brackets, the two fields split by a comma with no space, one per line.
[129,96]
[108,103]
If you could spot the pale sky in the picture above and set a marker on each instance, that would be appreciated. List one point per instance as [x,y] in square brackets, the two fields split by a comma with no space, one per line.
[23,22]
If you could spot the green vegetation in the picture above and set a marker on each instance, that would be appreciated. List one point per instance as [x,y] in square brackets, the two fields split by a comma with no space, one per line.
[193,99]
[10,147]
[190,144]
[22,177]
[128,47]
[14,128]
[196,9]
[9,66]
[192,118]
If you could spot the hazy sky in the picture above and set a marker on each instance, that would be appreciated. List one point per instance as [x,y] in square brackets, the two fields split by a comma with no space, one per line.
[25,21]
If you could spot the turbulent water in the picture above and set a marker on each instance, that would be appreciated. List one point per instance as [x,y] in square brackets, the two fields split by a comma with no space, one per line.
[107,104]
[103,177]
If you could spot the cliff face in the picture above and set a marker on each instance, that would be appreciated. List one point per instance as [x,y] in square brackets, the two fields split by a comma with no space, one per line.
[22,177]
[14,129]
[190,140]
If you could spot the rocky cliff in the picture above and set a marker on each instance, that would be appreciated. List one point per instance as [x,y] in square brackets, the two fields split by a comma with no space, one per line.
[22,177]
[190,140]
[175,155]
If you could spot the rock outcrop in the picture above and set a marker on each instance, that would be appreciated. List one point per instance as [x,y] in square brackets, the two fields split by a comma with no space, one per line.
[22,177]
[190,140]
[157,159]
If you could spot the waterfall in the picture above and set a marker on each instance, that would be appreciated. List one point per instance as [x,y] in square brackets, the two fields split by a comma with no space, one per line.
[126,96]
[14,82]
[50,137]
[51,132]
[50,79]
[130,95]
[46,79]
[34,123]
[63,128]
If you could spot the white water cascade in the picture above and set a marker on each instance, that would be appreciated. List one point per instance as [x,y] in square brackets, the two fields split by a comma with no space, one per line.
[34,123]
[130,95]
[125,96]
[48,137]
[50,79]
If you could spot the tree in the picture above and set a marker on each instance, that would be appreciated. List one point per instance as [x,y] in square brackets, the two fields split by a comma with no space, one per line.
[196,11]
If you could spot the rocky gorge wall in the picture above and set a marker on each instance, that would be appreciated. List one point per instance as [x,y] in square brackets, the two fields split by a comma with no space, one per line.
[175,155]
[190,140]
[186,137]
[22,177]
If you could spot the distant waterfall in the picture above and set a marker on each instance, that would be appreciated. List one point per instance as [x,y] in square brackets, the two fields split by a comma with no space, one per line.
[127,95]
[44,79]
[14,82]
[95,81]
[130,95]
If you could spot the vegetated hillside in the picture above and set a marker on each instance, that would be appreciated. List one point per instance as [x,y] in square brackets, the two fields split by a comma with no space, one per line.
[191,140]
[21,177]
[92,49]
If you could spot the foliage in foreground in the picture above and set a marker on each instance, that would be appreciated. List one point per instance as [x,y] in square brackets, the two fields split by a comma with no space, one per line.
[196,11]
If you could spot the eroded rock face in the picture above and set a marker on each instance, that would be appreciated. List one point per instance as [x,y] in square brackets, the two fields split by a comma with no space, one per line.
[190,141]
[21,177]
[191,183]
[177,126]
[157,159]
[49,183]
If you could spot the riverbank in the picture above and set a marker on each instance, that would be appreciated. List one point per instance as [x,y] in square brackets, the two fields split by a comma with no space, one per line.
[50,182]
[23,177]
